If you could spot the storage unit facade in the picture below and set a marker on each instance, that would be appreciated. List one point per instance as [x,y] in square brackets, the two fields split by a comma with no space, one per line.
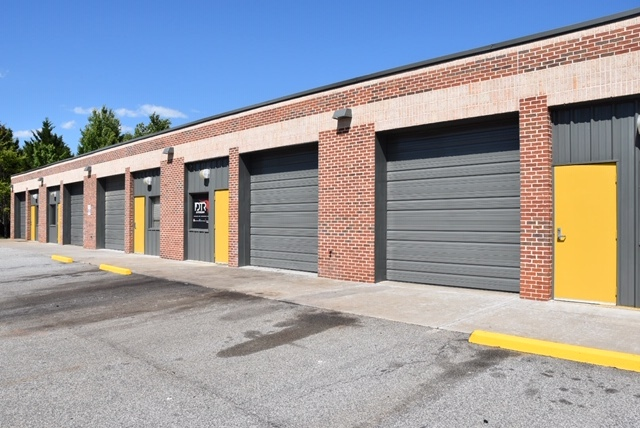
[451,172]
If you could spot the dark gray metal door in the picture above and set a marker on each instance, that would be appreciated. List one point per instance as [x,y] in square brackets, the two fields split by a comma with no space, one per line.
[453,208]
[114,213]
[76,210]
[20,220]
[284,209]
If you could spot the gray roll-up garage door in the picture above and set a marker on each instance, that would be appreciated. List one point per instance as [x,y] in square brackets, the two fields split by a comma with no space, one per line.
[76,219]
[284,209]
[114,213]
[21,216]
[453,208]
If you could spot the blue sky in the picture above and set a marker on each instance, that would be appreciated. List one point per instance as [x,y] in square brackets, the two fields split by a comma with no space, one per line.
[187,60]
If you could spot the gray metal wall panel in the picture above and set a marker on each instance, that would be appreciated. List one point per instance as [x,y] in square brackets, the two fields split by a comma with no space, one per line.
[244,212]
[200,243]
[607,132]
[76,210]
[284,208]
[453,207]
[142,189]
[114,213]
[20,220]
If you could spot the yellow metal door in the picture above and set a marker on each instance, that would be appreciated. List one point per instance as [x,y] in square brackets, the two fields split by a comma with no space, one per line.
[585,250]
[34,222]
[139,224]
[221,226]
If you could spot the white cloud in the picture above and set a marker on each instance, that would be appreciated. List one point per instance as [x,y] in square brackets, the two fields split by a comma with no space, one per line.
[124,128]
[23,134]
[3,73]
[69,125]
[127,112]
[149,109]
[82,110]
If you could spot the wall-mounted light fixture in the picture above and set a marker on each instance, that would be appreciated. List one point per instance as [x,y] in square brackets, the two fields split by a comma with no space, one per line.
[638,124]
[168,151]
[205,173]
[11,187]
[40,180]
[35,197]
[54,194]
[147,181]
[88,170]
[343,113]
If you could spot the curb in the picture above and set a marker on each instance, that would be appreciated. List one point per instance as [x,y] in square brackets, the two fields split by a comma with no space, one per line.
[62,259]
[580,354]
[115,269]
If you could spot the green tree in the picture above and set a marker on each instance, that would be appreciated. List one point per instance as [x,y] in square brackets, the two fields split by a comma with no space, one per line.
[102,130]
[155,125]
[11,162]
[45,147]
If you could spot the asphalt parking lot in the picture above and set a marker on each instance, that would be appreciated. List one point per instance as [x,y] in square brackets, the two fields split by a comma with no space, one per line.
[83,347]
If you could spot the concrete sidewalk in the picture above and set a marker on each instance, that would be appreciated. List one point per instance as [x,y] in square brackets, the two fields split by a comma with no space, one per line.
[462,310]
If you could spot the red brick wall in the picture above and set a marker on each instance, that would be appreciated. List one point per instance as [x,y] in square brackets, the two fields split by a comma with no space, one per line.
[234,159]
[346,204]
[536,222]
[42,214]
[172,228]
[128,211]
[90,221]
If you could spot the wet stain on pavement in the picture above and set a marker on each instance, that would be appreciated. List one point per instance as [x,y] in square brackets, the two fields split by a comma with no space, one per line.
[77,304]
[303,326]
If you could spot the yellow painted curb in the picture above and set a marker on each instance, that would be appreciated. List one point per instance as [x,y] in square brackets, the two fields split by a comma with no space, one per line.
[115,269]
[580,354]
[62,259]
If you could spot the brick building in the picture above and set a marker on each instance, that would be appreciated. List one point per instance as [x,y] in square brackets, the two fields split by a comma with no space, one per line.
[513,167]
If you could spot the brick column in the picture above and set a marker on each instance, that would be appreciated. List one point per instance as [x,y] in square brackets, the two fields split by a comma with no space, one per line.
[43,204]
[90,225]
[234,174]
[536,207]
[128,211]
[172,228]
[346,204]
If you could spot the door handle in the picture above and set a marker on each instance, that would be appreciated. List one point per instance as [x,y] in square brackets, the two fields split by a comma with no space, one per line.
[561,237]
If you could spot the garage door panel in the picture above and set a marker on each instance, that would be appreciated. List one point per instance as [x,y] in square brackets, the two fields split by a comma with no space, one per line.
[455,252]
[497,284]
[400,169]
[270,179]
[76,208]
[456,269]
[453,208]
[285,196]
[292,264]
[302,207]
[298,257]
[288,244]
[275,231]
[283,220]
[508,202]
[449,236]
[471,220]
[455,188]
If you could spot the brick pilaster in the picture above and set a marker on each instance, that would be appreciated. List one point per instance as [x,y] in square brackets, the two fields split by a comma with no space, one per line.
[346,204]
[172,229]
[234,174]
[90,226]
[536,215]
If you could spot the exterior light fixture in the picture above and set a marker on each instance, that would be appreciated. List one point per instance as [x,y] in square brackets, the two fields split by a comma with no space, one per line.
[638,124]
[40,180]
[35,197]
[147,181]
[205,173]
[168,151]
[343,113]
[88,170]
[11,187]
